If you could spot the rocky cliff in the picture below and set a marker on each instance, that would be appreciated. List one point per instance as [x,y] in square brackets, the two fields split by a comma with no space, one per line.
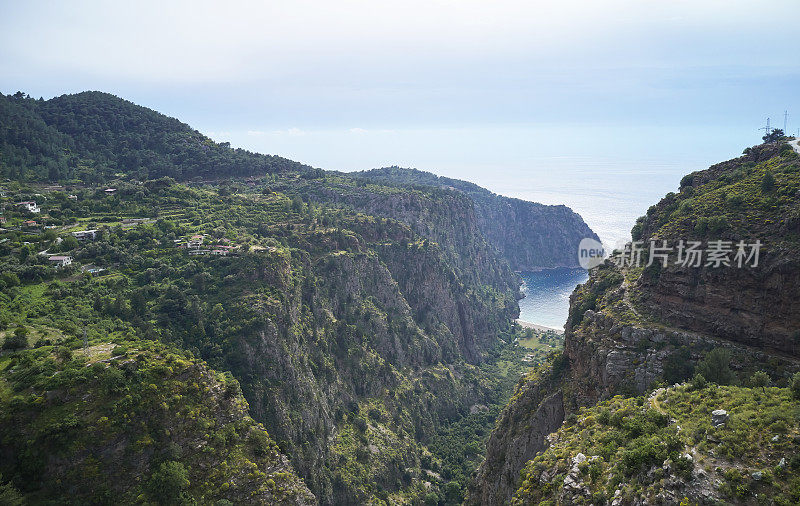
[631,328]
[527,235]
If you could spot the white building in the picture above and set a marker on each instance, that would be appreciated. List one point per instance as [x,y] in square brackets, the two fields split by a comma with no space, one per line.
[59,261]
[84,235]
[29,206]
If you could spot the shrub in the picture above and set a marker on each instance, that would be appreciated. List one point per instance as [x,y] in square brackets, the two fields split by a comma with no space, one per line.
[119,350]
[168,483]
[717,224]
[734,200]
[796,385]
[699,382]
[768,182]
[683,467]
[260,442]
[232,386]
[431,499]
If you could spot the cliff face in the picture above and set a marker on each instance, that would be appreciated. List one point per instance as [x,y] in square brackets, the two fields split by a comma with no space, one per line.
[536,410]
[367,324]
[758,306]
[527,235]
[630,328]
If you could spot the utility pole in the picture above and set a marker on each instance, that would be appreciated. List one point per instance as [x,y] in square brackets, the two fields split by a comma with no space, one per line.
[765,128]
[785,121]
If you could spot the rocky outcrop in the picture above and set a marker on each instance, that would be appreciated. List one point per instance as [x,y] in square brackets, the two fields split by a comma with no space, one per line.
[757,305]
[95,428]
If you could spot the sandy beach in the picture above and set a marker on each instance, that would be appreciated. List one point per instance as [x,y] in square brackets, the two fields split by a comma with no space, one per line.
[529,325]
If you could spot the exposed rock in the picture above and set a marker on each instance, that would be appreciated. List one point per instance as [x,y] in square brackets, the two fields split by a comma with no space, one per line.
[522,430]
[719,417]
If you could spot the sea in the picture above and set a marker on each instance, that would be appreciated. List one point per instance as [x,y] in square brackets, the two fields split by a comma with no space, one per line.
[546,301]
[608,194]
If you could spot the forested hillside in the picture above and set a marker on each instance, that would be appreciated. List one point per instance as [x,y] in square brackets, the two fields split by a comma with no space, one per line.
[93,136]
[368,325]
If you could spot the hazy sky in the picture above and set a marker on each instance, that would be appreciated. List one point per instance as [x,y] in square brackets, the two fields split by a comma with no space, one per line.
[491,91]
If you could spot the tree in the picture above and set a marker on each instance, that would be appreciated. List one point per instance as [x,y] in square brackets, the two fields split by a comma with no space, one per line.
[68,243]
[168,483]
[759,379]
[715,367]
[698,382]
[431,499]
[775,136]
[10,496]
[452,493]
[18,340]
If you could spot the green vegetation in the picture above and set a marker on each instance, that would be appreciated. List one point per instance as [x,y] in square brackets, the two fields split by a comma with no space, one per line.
[94,136]
[631,445]
[91,425]
[366,320]
[365,371]
[734,200]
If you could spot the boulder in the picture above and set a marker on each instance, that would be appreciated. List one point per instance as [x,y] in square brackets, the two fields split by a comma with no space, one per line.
[719,417]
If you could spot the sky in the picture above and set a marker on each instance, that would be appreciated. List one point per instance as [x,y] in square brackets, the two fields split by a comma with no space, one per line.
[599,104]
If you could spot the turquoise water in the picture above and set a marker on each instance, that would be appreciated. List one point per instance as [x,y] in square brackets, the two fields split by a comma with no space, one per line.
[547,294]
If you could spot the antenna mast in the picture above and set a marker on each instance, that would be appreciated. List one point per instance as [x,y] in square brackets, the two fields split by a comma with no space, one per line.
[766,128]
[785,121]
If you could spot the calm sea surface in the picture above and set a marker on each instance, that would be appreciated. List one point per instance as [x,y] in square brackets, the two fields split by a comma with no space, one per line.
[547,293]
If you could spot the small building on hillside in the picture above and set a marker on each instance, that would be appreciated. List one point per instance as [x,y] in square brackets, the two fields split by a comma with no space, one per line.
[110,191]
[60,261]
[29,224]
[29,206]
[195,242]
[85,235]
